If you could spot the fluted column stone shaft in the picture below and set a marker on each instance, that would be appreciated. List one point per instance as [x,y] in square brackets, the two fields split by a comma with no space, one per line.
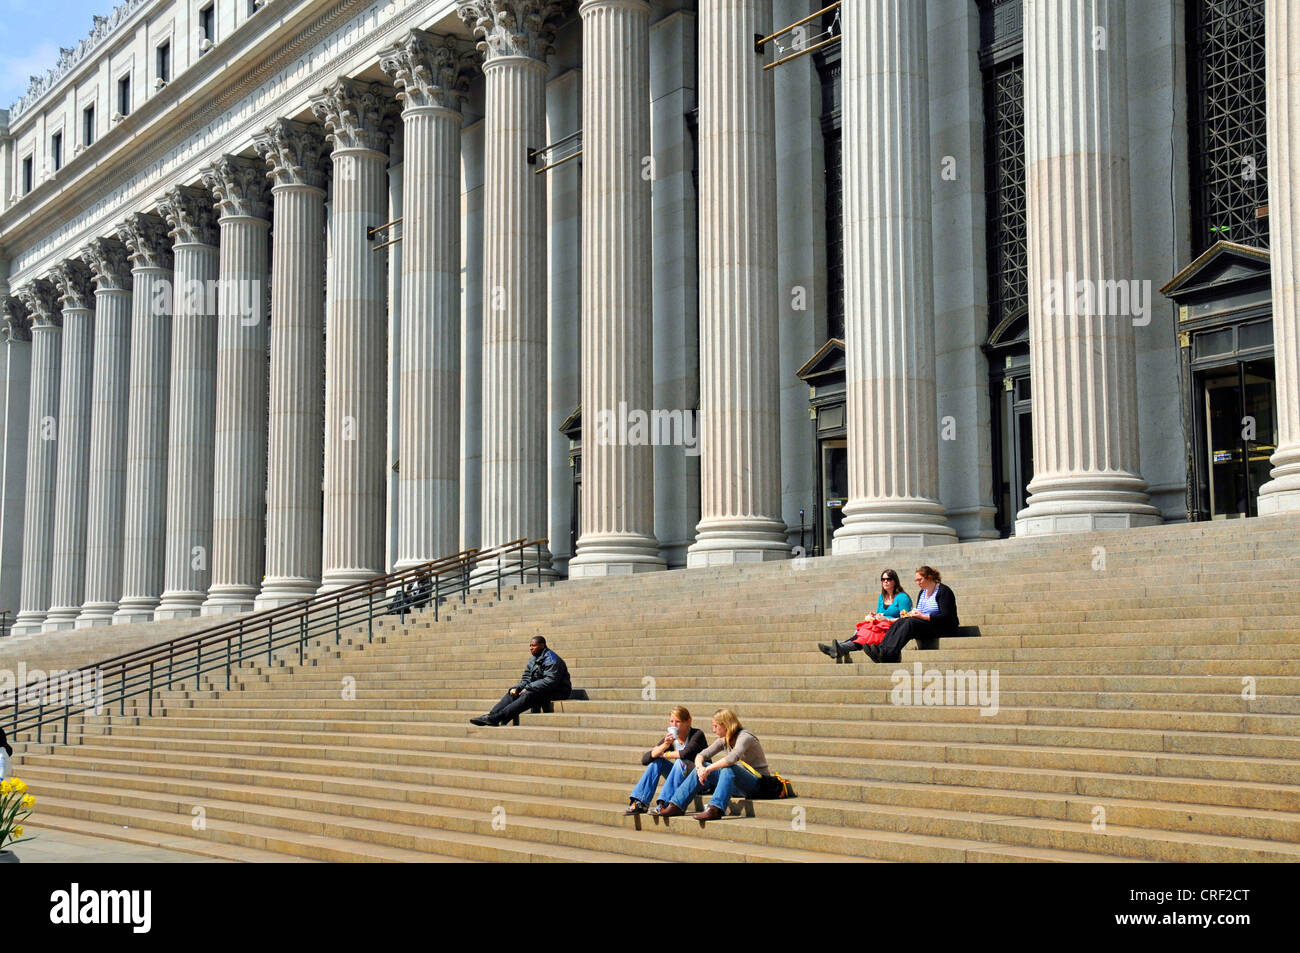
[357,120]
[42,455]
[888,282]
[191,436]
[16,361]
[617,518]
[239,458]
[1282,67]
[740,467]
[294,153]
[515,38]
[106,507]
[148,417]
[431,74]
[77,368]
[1082,362]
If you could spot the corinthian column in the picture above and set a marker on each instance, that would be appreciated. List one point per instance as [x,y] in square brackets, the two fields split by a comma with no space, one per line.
[357,118]
[107,260]
[888,283]
[740,398]
[148,413]
[293,151]
[38,298]
[1282,72]
[617,517]
[431,77]
[1082,365]
[68,584]
[191,437]
[16,363]
[239,498]
[515,38]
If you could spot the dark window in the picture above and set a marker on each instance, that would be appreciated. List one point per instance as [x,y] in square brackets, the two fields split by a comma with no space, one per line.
[828,67]
[208,23]
[56,151]
[164,66]
[1225,63]
[124,95]
[88,126]
[1006,200]
[27,175]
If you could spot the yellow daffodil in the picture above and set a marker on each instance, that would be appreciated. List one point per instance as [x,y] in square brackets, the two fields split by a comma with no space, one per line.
[18,832]
[17,786]
[29,802]
[6,787]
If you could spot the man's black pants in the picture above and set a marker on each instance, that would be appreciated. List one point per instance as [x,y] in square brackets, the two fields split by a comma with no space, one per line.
[511,705]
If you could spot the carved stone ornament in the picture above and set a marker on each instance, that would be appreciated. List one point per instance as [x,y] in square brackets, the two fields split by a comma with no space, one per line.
[429,70]
[146,240]
[41,302]
[513,27]
[17,326]
[239,186]
[109,264]
[294,152]
[72,280]
[356,115]
[190,217]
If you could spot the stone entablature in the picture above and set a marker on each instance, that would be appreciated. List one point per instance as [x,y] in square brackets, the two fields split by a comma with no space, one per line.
[167,142]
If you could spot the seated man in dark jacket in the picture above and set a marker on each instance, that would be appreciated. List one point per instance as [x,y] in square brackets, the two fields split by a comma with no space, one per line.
[546,679]
[935,615]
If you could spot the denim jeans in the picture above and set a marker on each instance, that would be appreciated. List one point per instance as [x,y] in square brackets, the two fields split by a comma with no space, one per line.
[659,768]
[734,779]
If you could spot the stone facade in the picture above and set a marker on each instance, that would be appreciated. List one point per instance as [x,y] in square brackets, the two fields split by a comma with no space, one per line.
[284,320]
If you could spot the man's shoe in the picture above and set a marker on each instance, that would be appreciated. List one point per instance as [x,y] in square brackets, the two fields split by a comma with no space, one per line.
[669,810]
[710,813]
[483,721]
[636,807]
[826,650]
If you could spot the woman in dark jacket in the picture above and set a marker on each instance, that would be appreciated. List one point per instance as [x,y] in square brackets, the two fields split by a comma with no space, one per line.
[935,615]
[670,760]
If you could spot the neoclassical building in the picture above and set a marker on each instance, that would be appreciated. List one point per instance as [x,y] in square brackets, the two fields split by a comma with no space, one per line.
[299,291]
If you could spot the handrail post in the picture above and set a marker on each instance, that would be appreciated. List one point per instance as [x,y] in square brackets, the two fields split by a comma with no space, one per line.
[523,548]
[227,664]
[539,564]
[500,565]
[370,615]
[302,636]
[270,640]
[122,700]
[151,688]
[437,586]
[41,696]
[338,623]
[67,705]
[198,665]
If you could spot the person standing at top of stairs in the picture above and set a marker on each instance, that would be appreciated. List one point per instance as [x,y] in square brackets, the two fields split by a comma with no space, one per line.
[546,679]
[935,616]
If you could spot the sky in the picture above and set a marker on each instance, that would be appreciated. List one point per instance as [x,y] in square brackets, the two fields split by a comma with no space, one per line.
[31,32]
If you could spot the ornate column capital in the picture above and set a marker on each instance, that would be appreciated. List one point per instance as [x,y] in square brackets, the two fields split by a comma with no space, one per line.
[356,115]
[239,186]
[41,302]
[146,241]
[17,326]
[513,27]
[109,264]
[72,281]
[190,216]
[429,70]
[294,152]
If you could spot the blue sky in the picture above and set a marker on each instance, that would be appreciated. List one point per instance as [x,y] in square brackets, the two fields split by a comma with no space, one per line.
[31,32]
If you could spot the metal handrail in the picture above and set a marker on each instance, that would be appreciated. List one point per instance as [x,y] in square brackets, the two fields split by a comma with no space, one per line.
[229,644]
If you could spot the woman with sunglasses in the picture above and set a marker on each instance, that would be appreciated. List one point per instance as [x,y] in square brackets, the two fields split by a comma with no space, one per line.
[890,606]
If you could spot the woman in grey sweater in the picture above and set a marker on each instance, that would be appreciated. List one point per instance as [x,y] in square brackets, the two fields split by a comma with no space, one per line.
[738,771]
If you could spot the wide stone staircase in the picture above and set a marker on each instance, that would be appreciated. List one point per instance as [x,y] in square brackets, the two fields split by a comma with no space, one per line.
[1148,709]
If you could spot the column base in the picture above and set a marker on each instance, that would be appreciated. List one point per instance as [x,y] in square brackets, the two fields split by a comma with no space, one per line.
[28,623]
[96,614]
[734,542]
[229,600]
[131,611]
[61,619]
[283,592]
[179,605]
[1281,494]
[336,579]
[615,555]
[1075,505]
[877,525]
